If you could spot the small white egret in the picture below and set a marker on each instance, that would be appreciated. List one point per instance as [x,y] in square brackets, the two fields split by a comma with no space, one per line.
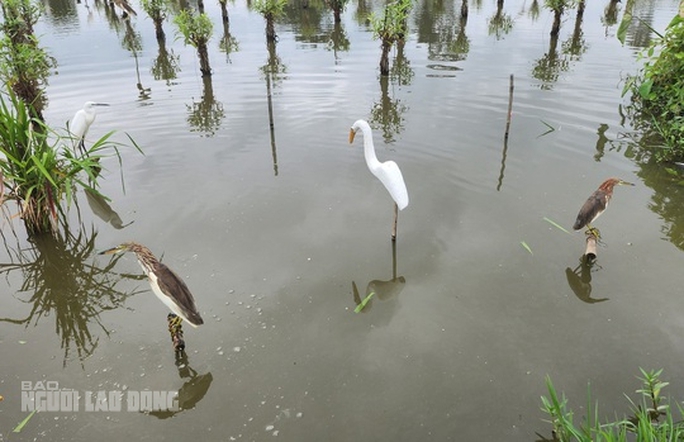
[81,122]
[388,172]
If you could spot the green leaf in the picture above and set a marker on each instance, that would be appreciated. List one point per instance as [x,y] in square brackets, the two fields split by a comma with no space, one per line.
[524,244]
[556,225]
[645,88]
[363,303]
[622,29]
[23,423]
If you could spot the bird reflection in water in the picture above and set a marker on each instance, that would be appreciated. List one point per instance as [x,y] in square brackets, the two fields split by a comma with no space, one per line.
[100,207]
[579,280]
[191,392]
[382,289]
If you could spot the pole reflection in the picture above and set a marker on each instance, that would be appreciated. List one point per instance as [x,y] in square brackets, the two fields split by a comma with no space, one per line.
[579,280]
[379,288]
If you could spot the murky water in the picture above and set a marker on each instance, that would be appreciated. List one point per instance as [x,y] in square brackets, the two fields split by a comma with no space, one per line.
[280,233]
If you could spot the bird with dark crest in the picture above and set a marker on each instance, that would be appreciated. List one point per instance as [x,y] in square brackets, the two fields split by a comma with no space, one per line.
[596,204]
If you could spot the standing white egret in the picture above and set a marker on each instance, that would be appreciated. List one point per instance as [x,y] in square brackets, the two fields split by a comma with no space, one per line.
[388,172]
[81,122]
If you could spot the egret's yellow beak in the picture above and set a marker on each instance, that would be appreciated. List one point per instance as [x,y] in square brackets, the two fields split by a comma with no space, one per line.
[352,134]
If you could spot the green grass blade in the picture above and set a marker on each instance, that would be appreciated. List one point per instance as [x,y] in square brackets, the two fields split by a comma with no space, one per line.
[23,423]
[556,225]
[363,303]
[551,128]
[524,244]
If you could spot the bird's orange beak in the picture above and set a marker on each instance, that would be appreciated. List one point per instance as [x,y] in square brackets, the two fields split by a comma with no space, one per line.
[352,134]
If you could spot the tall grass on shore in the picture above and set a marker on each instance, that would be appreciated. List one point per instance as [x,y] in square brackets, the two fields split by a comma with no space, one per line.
[652,418]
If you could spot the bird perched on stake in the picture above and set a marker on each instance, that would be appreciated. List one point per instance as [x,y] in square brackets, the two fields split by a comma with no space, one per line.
[596,205]
[80,123]
[388,172]
[164,282]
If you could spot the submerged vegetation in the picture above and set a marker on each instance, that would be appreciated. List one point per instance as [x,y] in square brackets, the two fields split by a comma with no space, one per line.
[652,417]
[657,91]
[391,27]
[271,10]
[196,30]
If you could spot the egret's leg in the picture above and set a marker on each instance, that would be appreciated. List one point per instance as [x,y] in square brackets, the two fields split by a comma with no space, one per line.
[394,226]
[81,145]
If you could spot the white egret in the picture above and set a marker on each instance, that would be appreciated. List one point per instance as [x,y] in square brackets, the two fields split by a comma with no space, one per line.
[388,172]
[82,120]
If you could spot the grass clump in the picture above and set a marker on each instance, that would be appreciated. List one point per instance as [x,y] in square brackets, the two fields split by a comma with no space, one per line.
[652,417]
[40,169]
[657,92]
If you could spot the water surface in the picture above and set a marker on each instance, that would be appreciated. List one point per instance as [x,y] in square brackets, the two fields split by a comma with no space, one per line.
[275,231]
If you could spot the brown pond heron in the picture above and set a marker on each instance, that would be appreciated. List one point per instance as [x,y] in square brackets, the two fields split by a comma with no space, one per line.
[168,286]
[596,204]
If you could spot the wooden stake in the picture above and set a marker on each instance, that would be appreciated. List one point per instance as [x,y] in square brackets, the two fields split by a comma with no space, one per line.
[394,227]
[510,108]
[590,250]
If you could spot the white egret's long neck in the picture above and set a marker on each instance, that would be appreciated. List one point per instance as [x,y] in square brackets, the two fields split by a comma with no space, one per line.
[369,150]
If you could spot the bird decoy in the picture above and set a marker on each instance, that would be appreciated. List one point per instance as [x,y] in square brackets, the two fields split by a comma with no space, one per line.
[388,172]
[596,204]
[168,286]
[80,123]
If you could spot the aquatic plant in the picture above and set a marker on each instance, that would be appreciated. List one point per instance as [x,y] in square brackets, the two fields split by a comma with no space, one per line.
[558,7]
[196,30]
[390,27]
[652,418]
[157,10]
[24,65]
[40,170]
[271,10]
[657,91]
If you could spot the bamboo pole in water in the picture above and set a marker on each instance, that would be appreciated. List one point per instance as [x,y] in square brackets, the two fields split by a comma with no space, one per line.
[510,108]
[590,250]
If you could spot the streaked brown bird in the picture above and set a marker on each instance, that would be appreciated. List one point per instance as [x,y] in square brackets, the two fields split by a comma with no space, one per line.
[597,203]
[164,282]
